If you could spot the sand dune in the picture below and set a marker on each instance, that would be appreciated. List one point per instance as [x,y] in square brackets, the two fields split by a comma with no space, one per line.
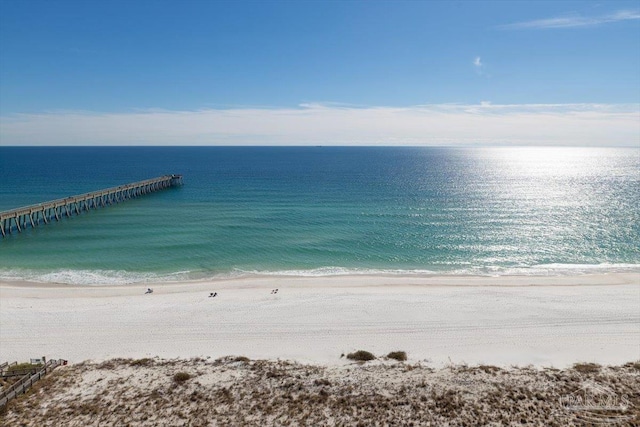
[236,391]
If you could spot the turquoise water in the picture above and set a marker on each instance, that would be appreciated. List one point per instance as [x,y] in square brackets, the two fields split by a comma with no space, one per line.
[326,210]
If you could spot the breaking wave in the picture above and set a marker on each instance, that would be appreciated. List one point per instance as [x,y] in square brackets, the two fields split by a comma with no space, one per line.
[121,277]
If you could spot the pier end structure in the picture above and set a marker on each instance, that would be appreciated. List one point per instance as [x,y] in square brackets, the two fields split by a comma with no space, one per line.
[42,213]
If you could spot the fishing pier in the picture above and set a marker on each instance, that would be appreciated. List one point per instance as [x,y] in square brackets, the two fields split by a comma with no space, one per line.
[42,213]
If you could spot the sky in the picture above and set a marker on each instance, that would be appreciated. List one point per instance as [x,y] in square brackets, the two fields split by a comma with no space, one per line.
[197,72]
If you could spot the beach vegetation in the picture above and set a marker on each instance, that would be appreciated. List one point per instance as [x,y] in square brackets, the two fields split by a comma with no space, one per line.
[447,402]
[587,368]
[295,394]
[361,356]
[181,377]
[141,362]
[112,364]
[489,369]
[24,367]
[400,356]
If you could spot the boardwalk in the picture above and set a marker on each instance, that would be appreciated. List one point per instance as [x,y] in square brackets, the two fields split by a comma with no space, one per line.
[42,213]
[27,379]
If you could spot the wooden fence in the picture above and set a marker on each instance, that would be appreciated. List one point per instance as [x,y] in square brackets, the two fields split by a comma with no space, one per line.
[22,385]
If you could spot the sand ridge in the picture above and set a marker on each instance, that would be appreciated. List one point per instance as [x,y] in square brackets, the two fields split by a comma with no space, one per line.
[242,392]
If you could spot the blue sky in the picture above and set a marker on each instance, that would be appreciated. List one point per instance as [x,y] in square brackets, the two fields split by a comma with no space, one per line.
[340,72]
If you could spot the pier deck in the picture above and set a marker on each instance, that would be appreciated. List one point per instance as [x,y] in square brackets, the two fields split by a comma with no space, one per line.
[20,218]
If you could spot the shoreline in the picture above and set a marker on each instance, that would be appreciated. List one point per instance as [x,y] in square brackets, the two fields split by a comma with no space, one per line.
[503,321]
[356,280]
[97,278]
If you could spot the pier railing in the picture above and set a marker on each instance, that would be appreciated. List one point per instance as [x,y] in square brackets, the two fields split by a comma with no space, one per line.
[20,218]
[30,378]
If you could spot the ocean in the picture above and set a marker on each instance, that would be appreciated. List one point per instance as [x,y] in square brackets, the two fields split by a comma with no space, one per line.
[313,211]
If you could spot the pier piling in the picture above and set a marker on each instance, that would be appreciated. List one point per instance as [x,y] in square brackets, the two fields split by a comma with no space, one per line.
[20,218]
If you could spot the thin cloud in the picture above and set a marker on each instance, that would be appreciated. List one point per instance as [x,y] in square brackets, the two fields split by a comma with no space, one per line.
[574,21]
[480,67]
[321,124]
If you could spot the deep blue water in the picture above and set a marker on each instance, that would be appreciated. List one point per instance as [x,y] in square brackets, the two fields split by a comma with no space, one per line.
[326,210]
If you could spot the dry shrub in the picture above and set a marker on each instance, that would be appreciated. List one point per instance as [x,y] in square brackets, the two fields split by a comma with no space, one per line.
[181,377]
[361,356]
[587,368]
[24,367]
[141,362]
[489,369]
[400,356]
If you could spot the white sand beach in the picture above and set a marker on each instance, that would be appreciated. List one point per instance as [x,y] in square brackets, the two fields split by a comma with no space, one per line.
[518,320]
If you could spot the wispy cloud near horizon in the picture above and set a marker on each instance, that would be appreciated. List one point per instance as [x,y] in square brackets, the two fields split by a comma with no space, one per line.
[574,21]
[322,124]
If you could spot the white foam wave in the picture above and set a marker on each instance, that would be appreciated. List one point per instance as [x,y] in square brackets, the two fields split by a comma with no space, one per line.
[90,277]
[119,277]
[535,270]
[336,271]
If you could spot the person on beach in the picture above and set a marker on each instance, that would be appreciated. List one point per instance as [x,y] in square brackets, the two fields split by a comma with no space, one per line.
[149,290]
